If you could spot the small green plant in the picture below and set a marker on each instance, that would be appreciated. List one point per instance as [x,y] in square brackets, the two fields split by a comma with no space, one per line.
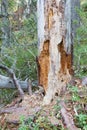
[6,96]
[57,107]
[27,124]
[74,93]
[75,97]
[44,123]
[40,123]
[81,121]
[22,125]
[79,98]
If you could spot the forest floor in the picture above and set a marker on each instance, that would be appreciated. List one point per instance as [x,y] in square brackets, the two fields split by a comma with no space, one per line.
[68,111]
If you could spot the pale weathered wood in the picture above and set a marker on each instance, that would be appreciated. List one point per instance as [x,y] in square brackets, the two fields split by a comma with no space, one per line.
[6,82]
[54,45]
[14,79]
[68,119]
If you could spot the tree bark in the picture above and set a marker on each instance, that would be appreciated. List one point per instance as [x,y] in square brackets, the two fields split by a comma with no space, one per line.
[55,45]
[6,37]
[75,17]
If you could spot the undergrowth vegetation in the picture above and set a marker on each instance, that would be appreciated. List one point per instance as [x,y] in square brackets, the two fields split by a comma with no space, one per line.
[80,45]
[79,101]
[21,57]
[76,102]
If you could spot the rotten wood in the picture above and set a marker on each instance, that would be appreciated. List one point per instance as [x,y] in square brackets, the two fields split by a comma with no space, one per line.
[44,65]
[54,46]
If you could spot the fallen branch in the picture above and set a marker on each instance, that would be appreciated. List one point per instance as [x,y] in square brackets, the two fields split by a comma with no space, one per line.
[68,120]
[14,79]
[7,83]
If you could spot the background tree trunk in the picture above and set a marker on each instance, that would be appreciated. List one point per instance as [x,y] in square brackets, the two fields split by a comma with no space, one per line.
[55,45]
[75,17]
[6,37]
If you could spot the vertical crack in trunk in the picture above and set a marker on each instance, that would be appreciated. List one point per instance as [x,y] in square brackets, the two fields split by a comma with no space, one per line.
[50,18]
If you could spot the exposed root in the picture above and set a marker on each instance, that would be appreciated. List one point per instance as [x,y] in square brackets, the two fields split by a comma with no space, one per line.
[68,120]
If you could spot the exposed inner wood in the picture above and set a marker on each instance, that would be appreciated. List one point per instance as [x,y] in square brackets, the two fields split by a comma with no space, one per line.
[55,56]
[43,60]
[50,18]
[66,60]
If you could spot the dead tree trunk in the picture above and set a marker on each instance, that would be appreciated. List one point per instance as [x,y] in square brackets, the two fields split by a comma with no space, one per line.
[55,45]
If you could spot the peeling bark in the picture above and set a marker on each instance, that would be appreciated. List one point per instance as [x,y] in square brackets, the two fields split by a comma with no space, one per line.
[54,45]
